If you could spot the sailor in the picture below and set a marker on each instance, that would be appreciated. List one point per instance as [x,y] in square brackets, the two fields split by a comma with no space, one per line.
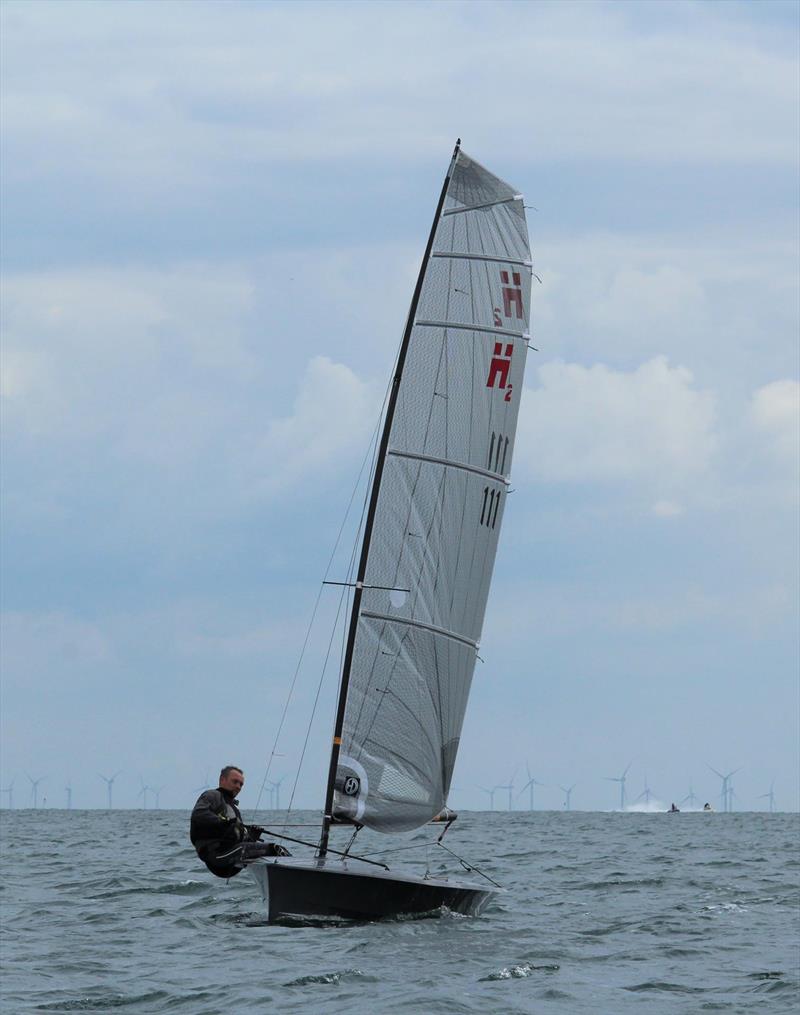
[222,840]
[673,809]
[707,807]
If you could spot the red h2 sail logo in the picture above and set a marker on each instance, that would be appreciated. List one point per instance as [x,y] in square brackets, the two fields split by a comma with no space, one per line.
[499,368]
[512,293]
[501,361]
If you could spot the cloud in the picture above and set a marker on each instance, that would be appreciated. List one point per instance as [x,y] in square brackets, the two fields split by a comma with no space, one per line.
[595,424]
[84,348]
[775,412]
[105,352]
[649,601]
[177,432]
[332,413]
[664,296]
[26,379]
[256,104]
[703,300]
[667,509]
[769,447]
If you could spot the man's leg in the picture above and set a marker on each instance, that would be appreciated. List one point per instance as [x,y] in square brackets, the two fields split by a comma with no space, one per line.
[253,850]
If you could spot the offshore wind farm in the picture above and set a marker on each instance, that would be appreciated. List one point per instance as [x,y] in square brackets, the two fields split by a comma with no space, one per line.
[134,793]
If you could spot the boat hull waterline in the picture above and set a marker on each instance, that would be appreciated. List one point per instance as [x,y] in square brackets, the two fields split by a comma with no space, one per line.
[340,888]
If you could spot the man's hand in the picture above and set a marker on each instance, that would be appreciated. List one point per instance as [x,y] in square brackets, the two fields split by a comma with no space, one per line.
[233,829]
[254,832]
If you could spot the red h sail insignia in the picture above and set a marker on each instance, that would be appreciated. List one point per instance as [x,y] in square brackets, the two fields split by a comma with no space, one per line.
[500,365]
[512,293]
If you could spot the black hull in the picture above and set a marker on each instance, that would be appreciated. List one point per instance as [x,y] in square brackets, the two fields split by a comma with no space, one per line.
[335,888]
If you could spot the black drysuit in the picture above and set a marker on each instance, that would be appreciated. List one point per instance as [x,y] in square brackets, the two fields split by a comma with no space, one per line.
[217,830]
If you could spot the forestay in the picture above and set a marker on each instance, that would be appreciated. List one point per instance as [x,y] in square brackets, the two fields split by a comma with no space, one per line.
[439,509]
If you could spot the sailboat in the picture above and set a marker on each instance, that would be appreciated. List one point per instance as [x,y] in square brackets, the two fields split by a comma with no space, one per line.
[433,517]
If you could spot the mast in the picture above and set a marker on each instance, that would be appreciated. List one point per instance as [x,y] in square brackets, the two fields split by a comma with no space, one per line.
[373,504]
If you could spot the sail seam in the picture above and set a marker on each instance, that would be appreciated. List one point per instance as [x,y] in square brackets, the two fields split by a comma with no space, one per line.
[482,257]
[448,462]
[472,327]
[477,207]
[425,627]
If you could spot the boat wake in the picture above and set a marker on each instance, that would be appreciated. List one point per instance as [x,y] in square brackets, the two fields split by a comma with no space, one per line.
[340,976]
[653,807]
[289,920]
[518,972]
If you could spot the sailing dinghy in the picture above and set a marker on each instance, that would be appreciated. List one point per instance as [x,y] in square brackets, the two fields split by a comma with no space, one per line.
[430,536]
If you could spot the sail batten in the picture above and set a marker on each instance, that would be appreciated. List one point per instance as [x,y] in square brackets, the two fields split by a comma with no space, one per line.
[436,509]
[455,255]
[479,207]
[423,627]
[451,464]
[461,326]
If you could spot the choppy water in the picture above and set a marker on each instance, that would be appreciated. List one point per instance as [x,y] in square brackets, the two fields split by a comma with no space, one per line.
[605,913]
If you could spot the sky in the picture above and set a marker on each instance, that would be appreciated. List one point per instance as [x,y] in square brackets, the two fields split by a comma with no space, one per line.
[213,218]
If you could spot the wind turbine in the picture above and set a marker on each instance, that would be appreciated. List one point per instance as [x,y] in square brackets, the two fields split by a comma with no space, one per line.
[156,791]
[491,793]
[567,794]
[646,792]
[726,792]
[143,793]
[529,785]
[109,781]
[621,780]
[275,788]
[35,789]
[510,787]
[10,790]
[68,790]
[690,797]
[770,796]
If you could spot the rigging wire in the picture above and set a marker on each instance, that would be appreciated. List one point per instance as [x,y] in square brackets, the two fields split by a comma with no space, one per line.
[427,844]
[344,599]
[401,849]
[313,845]
[370,452]
[467,866]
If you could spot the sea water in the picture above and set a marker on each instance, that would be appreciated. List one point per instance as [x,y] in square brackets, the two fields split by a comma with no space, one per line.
[602,913]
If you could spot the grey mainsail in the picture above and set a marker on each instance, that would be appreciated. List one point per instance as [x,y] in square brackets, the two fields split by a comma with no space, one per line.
[437,509]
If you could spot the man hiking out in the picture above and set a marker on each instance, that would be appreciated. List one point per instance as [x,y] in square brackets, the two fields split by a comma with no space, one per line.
[222,840]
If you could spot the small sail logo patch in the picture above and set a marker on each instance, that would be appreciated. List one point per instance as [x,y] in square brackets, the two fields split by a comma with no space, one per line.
[512,294]
[499,366]
[351,786]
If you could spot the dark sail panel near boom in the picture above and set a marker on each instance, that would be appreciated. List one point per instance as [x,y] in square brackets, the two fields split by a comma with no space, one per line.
[438,510]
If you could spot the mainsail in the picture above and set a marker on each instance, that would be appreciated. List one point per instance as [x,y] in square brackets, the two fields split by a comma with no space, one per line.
[436,510]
